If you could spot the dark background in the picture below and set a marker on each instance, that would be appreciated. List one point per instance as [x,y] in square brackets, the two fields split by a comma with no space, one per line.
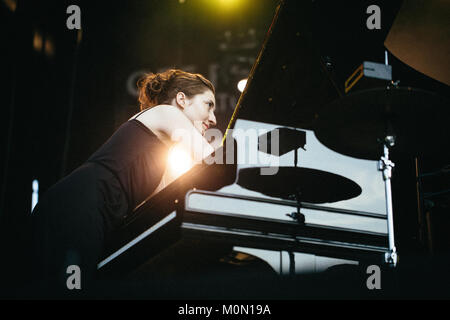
[65,91]
[64,97]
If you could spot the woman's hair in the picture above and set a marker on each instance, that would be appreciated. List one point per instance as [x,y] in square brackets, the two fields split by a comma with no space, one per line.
[161,88]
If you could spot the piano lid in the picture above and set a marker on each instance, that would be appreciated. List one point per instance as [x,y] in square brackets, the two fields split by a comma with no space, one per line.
[310,49]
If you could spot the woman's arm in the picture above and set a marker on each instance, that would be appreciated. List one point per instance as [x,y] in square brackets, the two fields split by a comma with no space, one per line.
[172,126]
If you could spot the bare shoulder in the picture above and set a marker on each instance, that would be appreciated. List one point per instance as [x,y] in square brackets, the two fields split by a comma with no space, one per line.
[171,125]
[163,119]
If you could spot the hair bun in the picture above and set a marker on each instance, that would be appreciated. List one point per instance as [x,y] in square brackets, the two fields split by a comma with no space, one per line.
[159,88]
[155,84]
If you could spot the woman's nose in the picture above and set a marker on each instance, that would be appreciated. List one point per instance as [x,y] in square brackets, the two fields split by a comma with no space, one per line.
[212,119]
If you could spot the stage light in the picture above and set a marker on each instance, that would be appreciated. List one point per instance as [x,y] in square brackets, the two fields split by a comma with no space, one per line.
[241,85]
[37,41]
[35,193]
[179,160]
[11,4]
[229,3]
[49,48]
[225,6]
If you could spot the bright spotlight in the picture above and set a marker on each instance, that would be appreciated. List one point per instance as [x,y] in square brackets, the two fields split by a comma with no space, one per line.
[241,85]
[229,3]
[179,160]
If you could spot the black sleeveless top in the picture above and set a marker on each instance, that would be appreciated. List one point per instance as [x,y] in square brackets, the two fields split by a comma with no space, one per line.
[77,214]
[136,158]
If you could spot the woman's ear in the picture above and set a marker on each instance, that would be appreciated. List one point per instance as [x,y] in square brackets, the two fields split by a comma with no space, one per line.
[180,99]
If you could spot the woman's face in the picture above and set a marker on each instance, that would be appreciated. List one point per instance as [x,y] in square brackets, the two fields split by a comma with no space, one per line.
[199,109]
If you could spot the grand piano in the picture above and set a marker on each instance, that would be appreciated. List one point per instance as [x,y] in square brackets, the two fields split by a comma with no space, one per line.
[325,204]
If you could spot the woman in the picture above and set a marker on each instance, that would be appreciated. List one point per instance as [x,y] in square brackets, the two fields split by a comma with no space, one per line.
[75,215]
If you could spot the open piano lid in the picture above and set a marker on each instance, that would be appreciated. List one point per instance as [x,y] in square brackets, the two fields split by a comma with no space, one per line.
[288,80]
[308,53]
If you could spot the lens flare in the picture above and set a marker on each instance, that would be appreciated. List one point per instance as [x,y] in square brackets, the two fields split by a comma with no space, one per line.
[179,161]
